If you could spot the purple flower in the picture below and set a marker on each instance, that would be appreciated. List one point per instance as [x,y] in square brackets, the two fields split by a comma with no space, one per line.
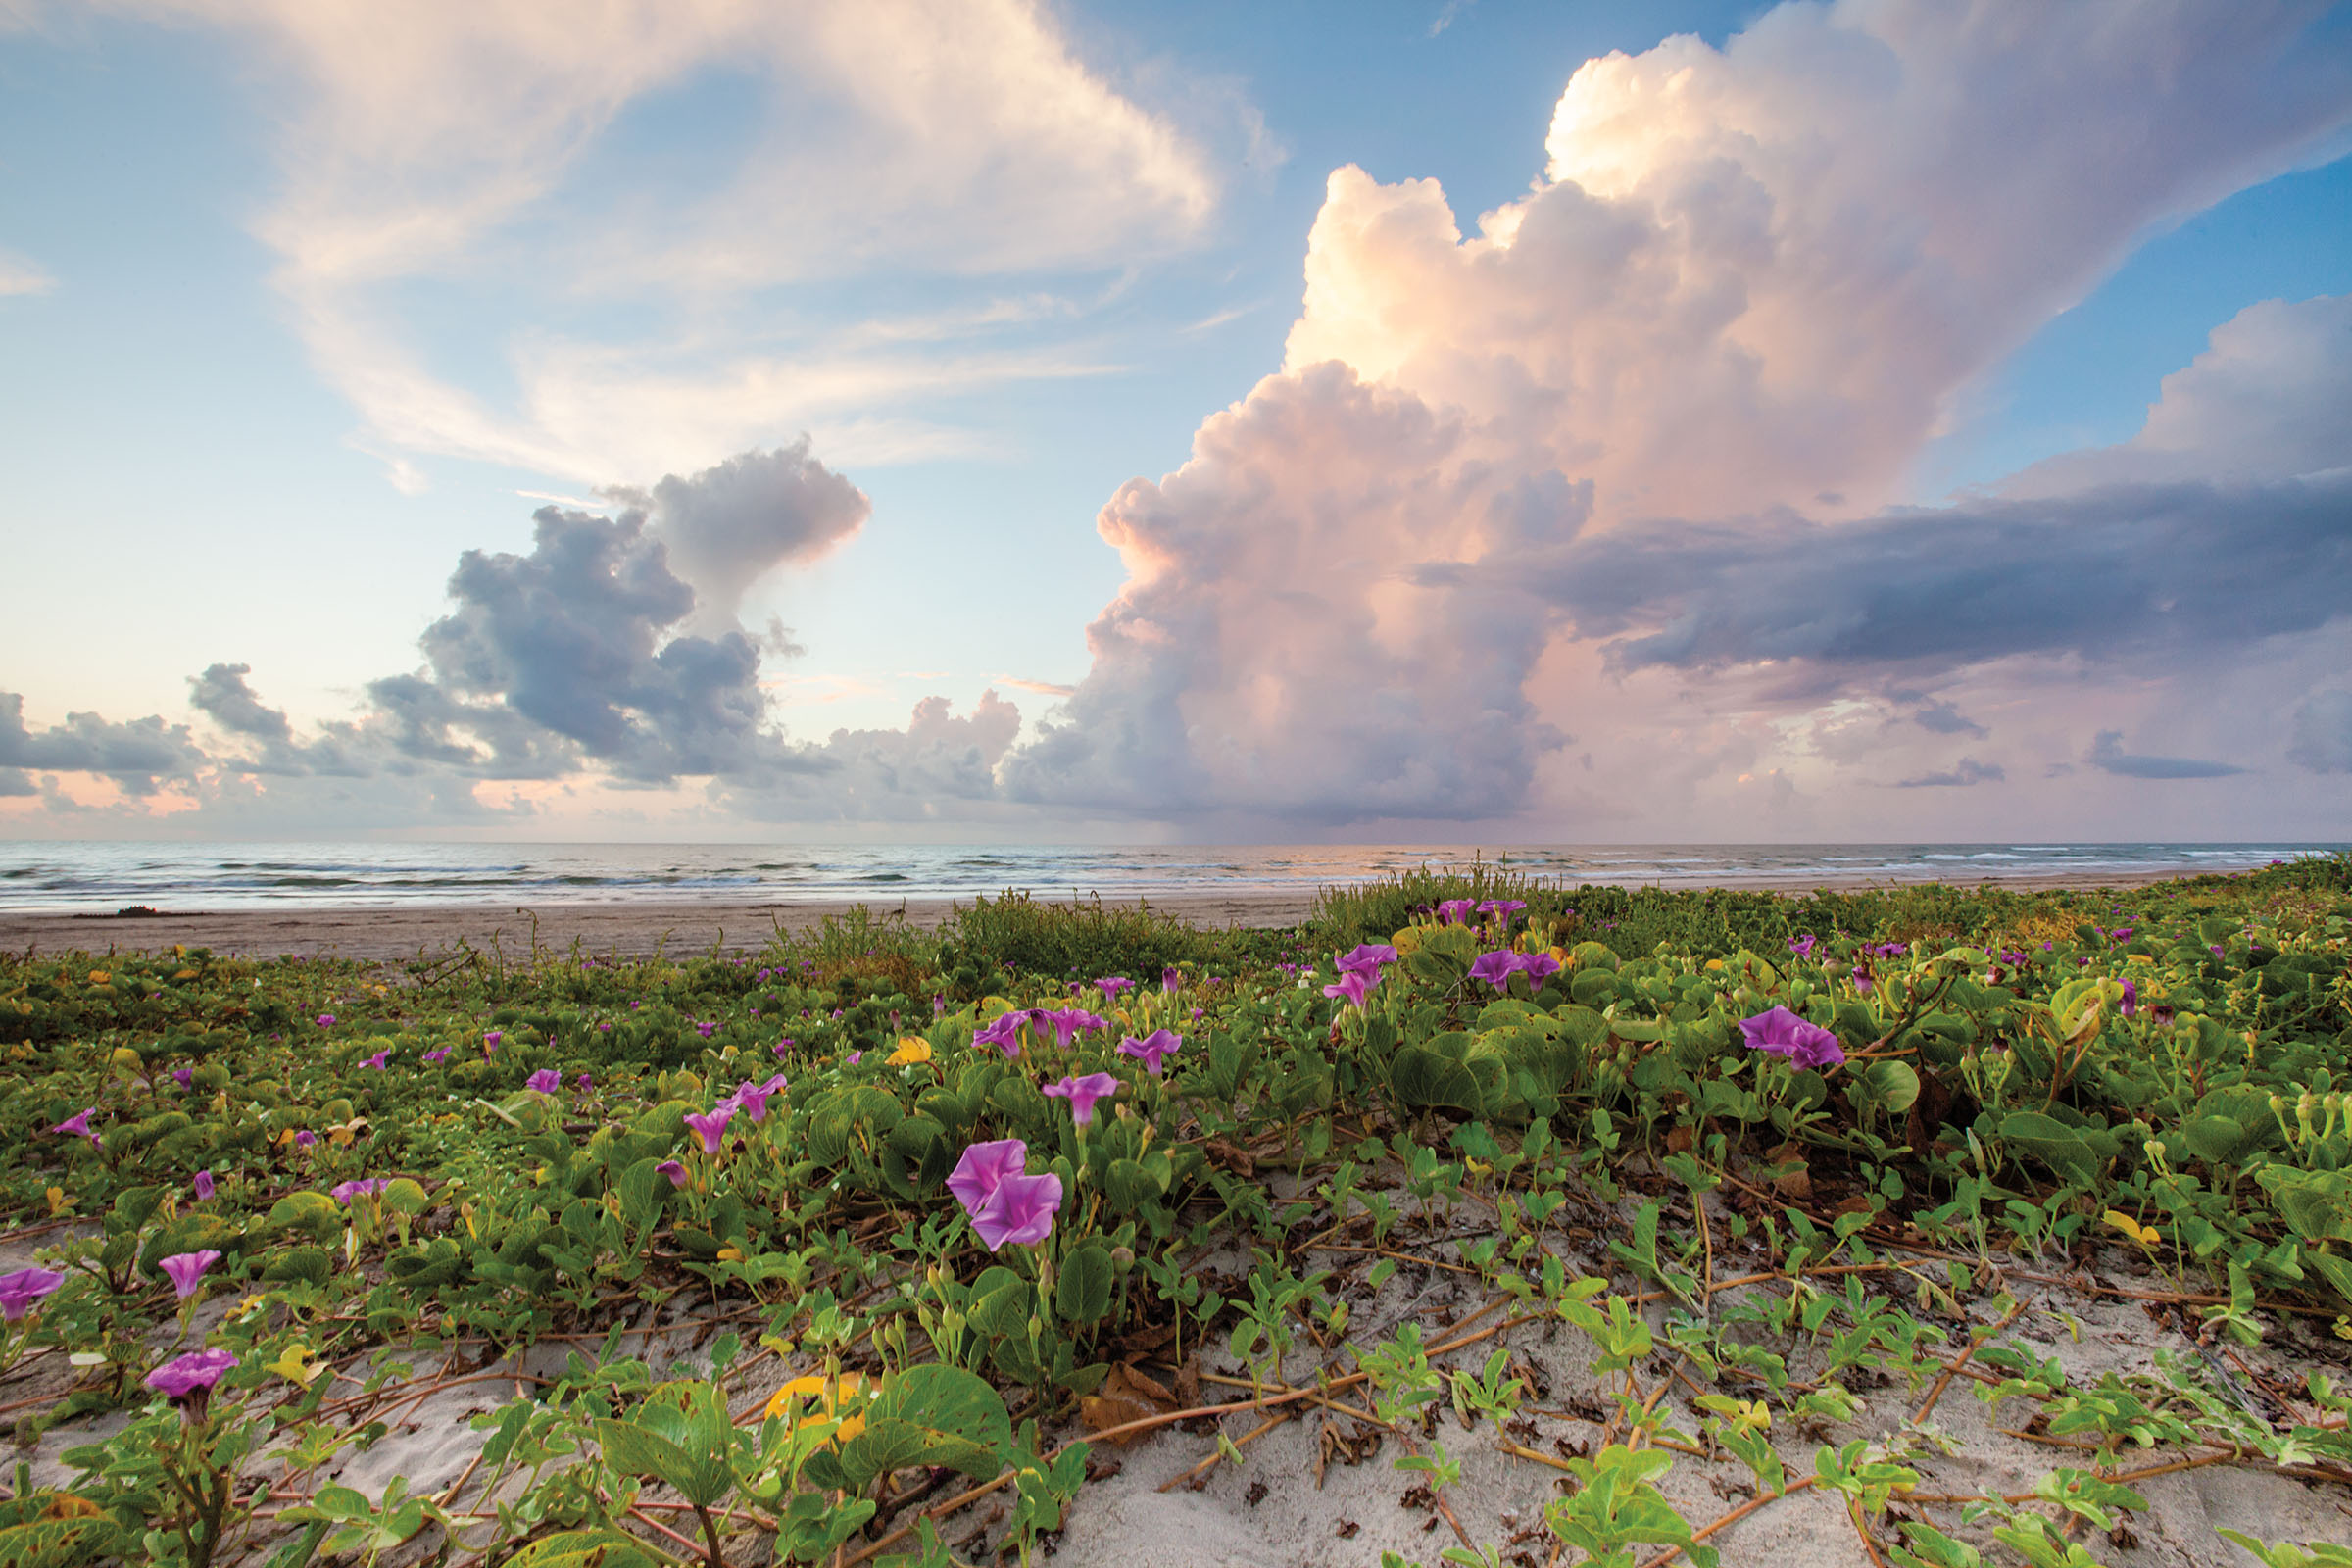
[1151,1051]
[1069,1022]
[674,1171]
[193,1373]
[583,1083]
[1352,986]
[2130,1007]
[706,1029]
[358,1186]
[2122,933]
[186,1269]
[1784,1034]
[782,1046]
[378,1060]
[544,1081]
[1801,944]
[1004,1033]
[327,1020]
[1110,985]
[712,1129]
[185,1077]
[1082,1093]
[26,1285]
[305,1139]
[79,1124]
[1505,908]
[204,1186]
[1005,1203]
[1496,969]
[856,1056]
[1538,967]
[1367,958]
[490,1040]
[1456,911]
[437,1054]
[1902,950]
[1171,980]
[752,1098]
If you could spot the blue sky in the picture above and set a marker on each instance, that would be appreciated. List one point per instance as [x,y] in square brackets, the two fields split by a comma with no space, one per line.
[297,312]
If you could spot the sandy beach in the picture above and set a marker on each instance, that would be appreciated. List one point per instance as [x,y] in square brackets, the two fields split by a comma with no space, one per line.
[388,932]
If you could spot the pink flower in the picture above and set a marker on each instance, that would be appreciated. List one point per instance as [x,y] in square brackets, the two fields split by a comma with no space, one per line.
[194,1373]
[491,1039]
[674,1171]
[185,1077]
[186,1269]
[378,1060]
[584,1083]
[1352,986]
[1151,1051]
[1496,969]
[305,1139]
[1367,958]
[752,1098]
[1110,985]
[19,1291]
[782,1046]
[1070,1021]
[204,1186]
[1005,1204]
[544,1081]
[711,1128]
[1505,908]
[1784,1034]
[1082,1093]
[1456,911]
[79,1124]
[1004,1033]
[361,1185]
[327,1020]
[437,1054]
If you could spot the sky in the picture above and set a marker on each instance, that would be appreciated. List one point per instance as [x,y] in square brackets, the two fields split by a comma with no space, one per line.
[967,420]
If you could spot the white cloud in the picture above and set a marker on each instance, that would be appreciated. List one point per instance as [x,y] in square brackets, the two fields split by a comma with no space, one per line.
[460,140]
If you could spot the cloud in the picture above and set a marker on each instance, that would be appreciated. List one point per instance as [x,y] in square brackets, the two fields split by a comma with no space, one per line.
[1968,771]
[2322,732]
[2270,396]
[499,141]
[1753,275]
[21,276]
[2116,573]
[1294,637]
[731,524]
[2108,756]
[139,756]
[1941,718]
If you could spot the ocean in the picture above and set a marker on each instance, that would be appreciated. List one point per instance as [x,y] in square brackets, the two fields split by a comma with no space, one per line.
[75,877]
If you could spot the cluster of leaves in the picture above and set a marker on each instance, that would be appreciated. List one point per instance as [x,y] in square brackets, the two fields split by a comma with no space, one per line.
[2161,1072]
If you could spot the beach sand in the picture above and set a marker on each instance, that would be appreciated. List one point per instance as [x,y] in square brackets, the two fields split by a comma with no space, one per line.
[383,933]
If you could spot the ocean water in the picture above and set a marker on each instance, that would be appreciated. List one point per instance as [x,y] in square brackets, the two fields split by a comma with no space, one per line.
[86,876]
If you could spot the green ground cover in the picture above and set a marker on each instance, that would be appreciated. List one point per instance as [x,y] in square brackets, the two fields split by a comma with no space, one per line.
[1770,1157]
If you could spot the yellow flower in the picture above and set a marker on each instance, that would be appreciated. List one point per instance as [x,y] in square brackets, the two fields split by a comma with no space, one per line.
[99,977]
[296,1365]
[2145,1235]
[59,1202]
[848,1388]
[2139,957]
[911,1051]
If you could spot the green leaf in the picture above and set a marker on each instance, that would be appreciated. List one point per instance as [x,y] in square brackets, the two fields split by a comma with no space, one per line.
[1082,1289]
[927,1415]
[583,1548]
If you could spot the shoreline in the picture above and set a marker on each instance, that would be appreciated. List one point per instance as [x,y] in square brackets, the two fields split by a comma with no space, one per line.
[633,929]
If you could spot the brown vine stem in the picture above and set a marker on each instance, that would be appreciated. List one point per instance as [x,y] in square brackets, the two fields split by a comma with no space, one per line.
[1733,1518]
[1954,1367]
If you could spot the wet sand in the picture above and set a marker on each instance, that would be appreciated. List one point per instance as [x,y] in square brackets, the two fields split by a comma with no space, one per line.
[404,931]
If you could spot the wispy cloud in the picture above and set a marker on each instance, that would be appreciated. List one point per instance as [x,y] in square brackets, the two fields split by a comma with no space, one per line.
[20,275]
[2108,756]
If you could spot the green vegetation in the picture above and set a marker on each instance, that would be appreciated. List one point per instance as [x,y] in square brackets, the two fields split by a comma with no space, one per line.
[732,1212]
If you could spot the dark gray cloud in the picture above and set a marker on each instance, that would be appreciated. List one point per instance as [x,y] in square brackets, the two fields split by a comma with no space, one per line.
[730,525]
[2108,756]
[16,781]
[2123,572]
[1943,718]
[1966,772]
[137,756]
[574,638]
[222,694]
[2323,733]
